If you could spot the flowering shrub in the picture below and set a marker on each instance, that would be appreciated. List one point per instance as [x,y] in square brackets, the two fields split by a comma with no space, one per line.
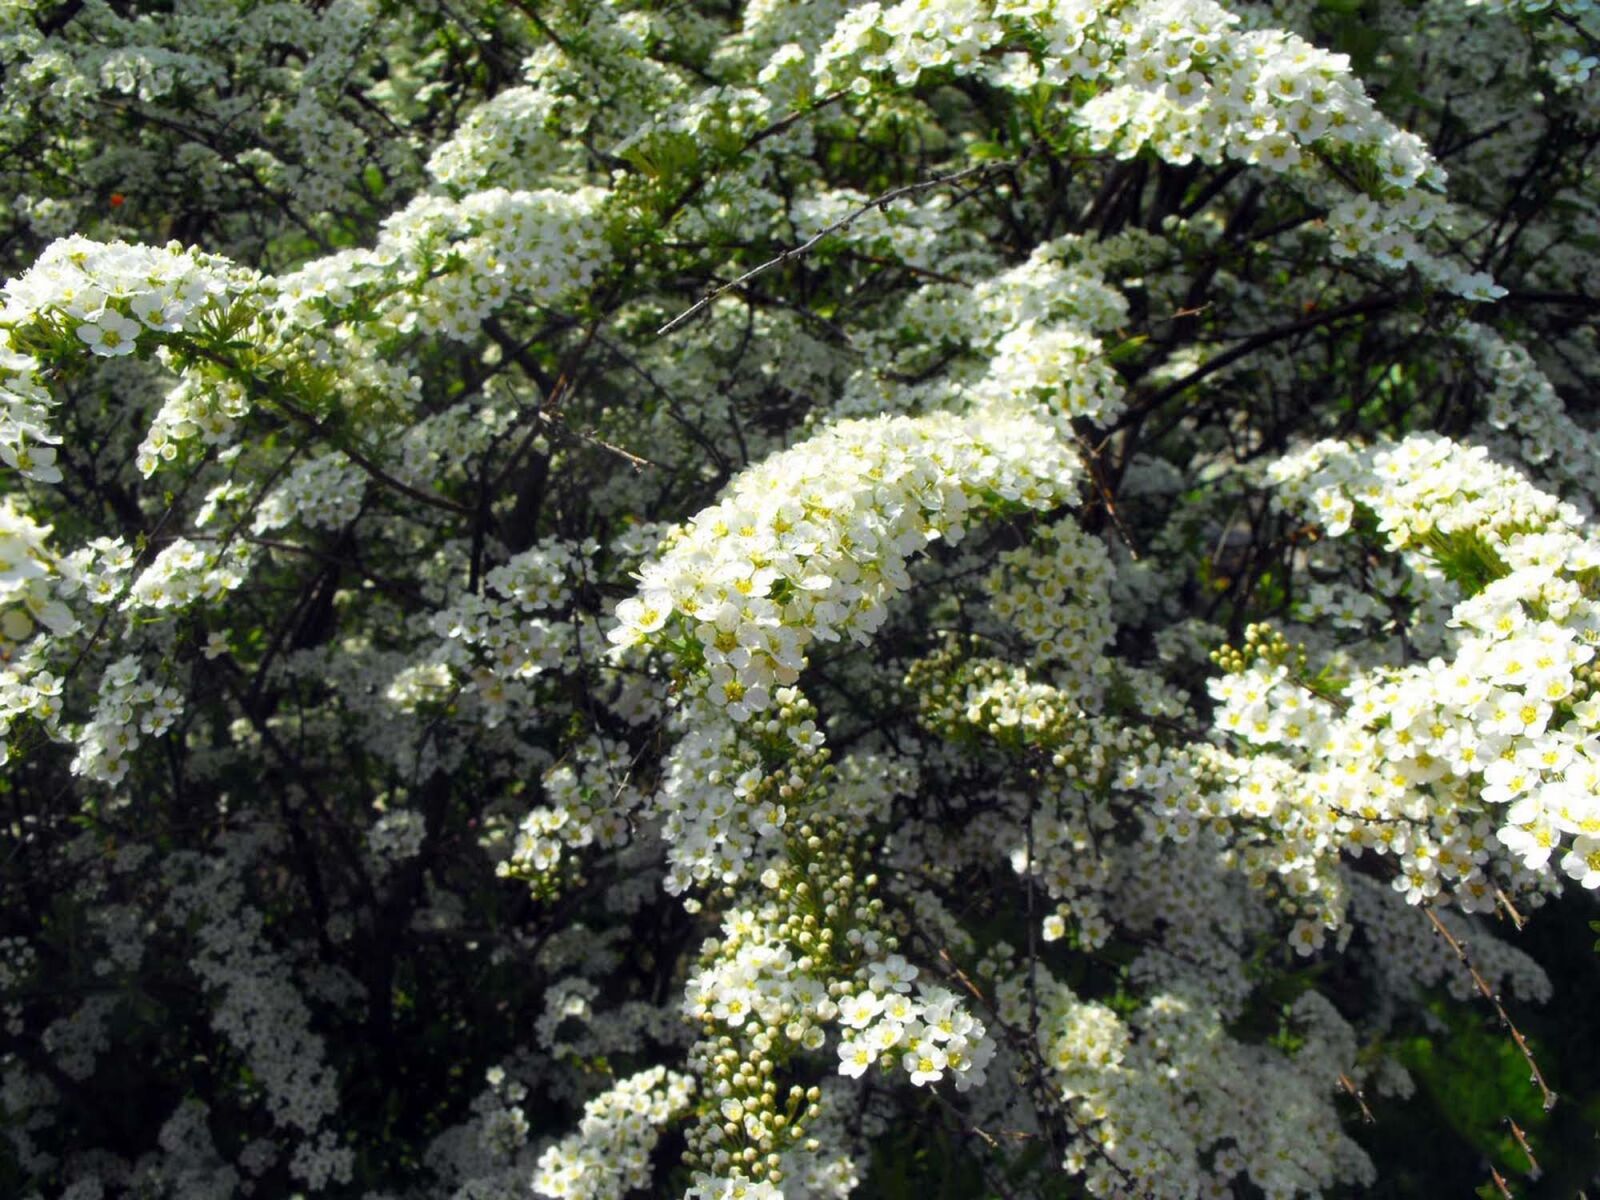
[716,600]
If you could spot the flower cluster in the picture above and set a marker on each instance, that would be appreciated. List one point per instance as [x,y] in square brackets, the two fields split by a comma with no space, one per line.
[260,1013]
[1031,333]
[1251,1112]
[814,543]
[722,805]
[31,579]
[322,493]
[588,802]
[609,1155]
[394,837]
[511,133]
[131,708]
[186,573]
[1523,404]
[930,1034]
[442,265]
[494,644]
[777,978]
[107,298]
[1055,592]
[1470,771]
[110,295]
[1185,79]
[196,408]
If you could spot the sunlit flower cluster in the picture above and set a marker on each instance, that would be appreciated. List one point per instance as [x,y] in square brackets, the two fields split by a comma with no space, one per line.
[609,1155]
[813,544]
[1469,772]
[111,299]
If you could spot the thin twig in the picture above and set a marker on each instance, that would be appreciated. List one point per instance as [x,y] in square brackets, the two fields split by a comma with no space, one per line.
[1046,1098]
[638,462]
[1521,1139]
[1355,1094]
[882,200]
[961,976]
[1509,909]
[1489,994]
[1033,926]
[360,458]
[1097,476]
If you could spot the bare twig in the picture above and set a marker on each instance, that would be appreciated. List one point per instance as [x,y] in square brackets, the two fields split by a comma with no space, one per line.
[1521,1139]
[961,976]
[1488,993]
[553,419]
[1510,909]
[1097,476]
[1033,926]
[358,456]
[1355,1094]
[880,201]
[1026,1046]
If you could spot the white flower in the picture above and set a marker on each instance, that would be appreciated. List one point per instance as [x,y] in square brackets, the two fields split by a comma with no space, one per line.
[110,334]
[925,1062]
[855,1057]
[1307,937]
[1582,861]
[857,1011]
[894,973]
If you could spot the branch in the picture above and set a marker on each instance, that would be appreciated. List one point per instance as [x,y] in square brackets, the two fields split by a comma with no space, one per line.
[1488,993]
[880,201]
[1250,345]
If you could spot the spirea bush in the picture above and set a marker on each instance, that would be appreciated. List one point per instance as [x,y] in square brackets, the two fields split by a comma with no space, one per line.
[747,600]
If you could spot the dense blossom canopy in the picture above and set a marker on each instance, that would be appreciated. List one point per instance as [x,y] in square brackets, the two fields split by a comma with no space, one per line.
[711,599]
